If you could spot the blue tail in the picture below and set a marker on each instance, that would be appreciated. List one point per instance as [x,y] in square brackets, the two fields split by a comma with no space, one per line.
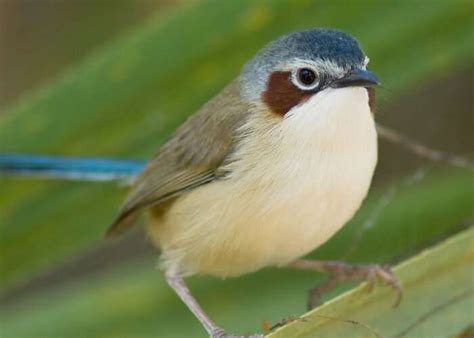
[72,168]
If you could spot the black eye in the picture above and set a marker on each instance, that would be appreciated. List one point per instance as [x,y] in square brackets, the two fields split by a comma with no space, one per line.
[307,78]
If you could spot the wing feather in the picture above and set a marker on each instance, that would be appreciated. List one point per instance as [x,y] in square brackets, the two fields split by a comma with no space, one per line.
[189,159]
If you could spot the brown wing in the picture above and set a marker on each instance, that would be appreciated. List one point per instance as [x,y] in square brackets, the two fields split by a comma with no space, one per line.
[189,159]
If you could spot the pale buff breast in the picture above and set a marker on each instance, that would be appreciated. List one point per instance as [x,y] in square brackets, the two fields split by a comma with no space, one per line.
[296,183]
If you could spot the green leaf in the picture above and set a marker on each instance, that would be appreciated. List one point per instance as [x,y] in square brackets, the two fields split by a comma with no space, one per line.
[437,302]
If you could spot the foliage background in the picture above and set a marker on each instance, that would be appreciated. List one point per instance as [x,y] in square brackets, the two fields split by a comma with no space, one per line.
[103,79]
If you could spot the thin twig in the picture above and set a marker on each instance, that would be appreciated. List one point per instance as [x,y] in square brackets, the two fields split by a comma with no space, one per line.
[419,149]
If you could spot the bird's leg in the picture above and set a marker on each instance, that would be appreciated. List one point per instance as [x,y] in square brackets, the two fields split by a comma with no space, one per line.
[341,272]
[179,286]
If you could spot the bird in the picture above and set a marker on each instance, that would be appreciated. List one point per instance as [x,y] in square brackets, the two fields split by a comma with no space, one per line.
[266,171]
[261,175]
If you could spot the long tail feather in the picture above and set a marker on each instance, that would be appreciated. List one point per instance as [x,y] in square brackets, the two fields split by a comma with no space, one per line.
[70,168]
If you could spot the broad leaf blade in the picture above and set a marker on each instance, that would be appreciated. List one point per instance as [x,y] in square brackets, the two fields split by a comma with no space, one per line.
[438,300]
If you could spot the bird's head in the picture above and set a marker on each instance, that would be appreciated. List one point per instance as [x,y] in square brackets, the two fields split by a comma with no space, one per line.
[297,66]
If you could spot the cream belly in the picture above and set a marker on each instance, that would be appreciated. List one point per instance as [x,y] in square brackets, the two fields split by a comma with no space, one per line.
[294,184]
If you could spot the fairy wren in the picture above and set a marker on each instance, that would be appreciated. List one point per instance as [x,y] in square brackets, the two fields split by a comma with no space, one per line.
[266,171]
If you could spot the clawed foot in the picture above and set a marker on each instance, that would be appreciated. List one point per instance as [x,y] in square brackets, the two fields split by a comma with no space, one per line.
[342,272]
[219,333]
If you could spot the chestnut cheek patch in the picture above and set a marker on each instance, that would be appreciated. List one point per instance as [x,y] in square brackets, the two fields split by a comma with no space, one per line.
[281,95]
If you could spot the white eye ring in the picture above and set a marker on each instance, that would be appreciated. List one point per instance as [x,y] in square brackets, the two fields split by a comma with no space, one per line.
[305,78]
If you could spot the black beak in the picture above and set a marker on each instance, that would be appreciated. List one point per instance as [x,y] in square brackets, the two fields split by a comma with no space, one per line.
[356,78]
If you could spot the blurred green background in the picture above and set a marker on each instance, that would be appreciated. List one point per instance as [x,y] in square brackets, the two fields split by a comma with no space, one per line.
[107,78]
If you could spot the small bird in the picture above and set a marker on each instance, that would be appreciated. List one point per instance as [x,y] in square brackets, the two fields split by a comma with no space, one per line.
[266,171]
